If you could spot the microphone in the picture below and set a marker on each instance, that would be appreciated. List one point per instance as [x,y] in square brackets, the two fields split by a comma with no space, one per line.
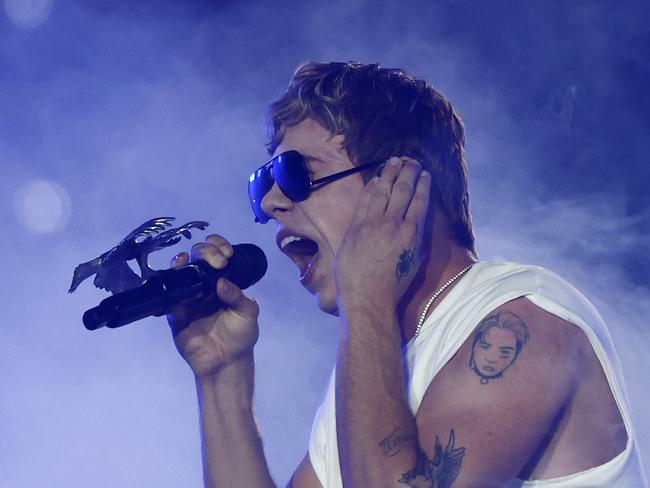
[171,287]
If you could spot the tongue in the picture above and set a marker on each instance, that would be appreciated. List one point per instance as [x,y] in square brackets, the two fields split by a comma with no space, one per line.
[303,247]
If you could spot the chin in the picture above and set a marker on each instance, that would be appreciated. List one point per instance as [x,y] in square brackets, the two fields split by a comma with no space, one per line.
[327,302]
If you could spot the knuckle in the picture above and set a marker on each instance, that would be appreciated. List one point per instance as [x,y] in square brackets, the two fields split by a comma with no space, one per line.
[403,187]
[221,243]
[197,249]
[226,249]
[209,253]
[412,162]
[217,259]
[380,191]
[420,198]
[217,240]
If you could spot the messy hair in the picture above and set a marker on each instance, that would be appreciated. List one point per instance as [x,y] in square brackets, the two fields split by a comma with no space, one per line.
[381,113]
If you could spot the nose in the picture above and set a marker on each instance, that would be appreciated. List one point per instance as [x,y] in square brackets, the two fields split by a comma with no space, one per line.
[275,202]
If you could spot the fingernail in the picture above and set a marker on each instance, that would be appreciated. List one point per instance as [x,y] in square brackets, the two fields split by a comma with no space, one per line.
[394,161]
[225,286]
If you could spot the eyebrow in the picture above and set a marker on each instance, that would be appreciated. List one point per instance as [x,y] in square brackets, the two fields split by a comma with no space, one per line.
[506,349]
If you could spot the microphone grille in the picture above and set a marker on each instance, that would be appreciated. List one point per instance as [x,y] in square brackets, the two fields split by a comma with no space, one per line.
[247,265]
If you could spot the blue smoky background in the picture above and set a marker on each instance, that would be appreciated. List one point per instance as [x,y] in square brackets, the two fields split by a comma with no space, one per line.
[114,112]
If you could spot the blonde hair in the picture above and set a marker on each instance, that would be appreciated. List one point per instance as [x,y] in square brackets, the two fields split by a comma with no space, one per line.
[382,113]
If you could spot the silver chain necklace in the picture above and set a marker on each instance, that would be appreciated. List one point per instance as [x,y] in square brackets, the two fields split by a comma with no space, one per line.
[436,295]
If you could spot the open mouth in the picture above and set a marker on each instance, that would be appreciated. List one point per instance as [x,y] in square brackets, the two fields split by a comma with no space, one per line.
[301,249]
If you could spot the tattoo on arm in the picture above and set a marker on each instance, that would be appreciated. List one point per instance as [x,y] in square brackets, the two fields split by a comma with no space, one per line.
[406,262]
[498,341]
[394,443]
[441,472]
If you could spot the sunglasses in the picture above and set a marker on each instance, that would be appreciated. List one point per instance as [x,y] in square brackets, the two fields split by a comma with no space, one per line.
[290,172]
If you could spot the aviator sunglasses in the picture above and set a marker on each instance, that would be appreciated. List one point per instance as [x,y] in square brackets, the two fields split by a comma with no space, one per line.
[290,172]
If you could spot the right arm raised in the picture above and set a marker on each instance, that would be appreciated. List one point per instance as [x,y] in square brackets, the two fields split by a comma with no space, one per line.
[218,347]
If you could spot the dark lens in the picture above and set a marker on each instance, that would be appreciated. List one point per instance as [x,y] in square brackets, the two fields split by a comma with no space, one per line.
[291,174]
[259,184]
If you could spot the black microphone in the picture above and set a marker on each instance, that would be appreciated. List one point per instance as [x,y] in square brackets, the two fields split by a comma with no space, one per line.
[170,287]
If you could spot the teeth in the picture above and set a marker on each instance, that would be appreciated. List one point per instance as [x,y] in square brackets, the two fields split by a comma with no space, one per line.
[288,240]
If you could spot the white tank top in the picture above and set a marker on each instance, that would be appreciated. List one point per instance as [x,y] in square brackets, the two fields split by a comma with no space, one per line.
[485,287]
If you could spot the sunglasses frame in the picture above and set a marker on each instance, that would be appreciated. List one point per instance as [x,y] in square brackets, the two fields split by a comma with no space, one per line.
[311,185]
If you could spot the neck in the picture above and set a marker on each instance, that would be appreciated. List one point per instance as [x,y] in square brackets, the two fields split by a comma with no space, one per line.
[442,260]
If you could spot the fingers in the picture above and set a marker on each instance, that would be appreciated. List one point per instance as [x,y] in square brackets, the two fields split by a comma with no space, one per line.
[233,297]
[419,204]
[392,192]
[380,190]
[362,208]
[215,251]
[403,188]
[224,246]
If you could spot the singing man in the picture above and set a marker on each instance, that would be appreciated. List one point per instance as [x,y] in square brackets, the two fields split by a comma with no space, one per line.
[451,371]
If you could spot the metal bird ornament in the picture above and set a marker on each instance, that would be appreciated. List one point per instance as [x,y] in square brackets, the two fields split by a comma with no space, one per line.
[111,268]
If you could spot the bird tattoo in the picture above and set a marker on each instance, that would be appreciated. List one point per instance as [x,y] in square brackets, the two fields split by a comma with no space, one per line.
[439,473]
[111,269]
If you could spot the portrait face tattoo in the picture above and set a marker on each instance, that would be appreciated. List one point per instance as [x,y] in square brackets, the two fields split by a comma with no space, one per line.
[497,343]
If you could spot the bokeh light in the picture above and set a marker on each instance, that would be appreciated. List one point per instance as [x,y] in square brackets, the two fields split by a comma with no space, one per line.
[42,207]
[28,14]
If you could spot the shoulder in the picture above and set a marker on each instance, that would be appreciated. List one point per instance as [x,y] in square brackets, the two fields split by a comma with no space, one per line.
[523,376]
[514,345]
[505,388]
[540,332]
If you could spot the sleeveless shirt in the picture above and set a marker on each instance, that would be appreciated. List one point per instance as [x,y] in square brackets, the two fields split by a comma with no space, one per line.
[485,287]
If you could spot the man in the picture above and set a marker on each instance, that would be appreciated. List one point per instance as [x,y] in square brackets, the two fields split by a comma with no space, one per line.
[450,372]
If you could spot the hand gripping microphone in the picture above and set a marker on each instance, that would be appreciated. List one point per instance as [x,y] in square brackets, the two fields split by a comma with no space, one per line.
[171,287]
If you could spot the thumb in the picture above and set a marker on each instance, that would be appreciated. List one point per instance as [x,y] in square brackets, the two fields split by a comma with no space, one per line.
[231,295]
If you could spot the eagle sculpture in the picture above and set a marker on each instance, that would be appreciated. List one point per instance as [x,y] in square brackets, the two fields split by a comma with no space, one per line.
[111,268]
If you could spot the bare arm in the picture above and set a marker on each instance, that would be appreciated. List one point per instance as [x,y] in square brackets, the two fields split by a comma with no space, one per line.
[474,428]
[507,388]
[482,418]
[231,445]
[374,266]
[376,431]
[219,349]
